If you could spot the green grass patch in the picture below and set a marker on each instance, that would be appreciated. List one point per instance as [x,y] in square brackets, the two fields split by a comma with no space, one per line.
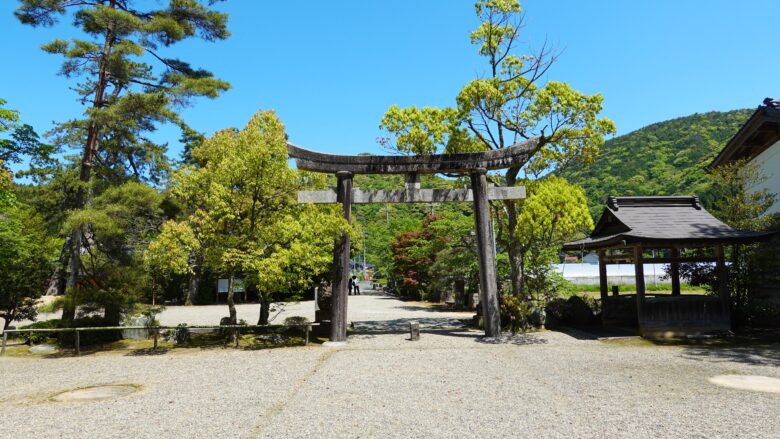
[51,307]
[594,290]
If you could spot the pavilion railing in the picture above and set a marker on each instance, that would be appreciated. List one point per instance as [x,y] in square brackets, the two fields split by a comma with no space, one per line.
[684,310]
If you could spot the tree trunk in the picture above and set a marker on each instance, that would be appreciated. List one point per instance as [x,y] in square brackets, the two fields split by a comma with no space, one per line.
[515,254]
[192,291]
[230,300]
[58,278]
[513,244]
[232,308]
[85,171]
[69,308]
[265,308]
[113,314]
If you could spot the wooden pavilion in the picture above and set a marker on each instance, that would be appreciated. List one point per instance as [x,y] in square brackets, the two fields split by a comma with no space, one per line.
[630,228]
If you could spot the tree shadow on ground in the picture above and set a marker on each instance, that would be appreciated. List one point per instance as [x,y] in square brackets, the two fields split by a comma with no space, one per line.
[766,355]
[519,339]
[430,308]
[366,330]
[402,325]
[596,332]
[147,352]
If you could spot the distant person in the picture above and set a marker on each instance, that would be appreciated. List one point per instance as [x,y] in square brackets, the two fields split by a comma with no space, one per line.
[355,287]
[350,285]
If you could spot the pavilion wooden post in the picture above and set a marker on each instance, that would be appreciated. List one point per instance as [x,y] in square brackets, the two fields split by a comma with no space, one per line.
[603,284]
[338,323]
[487,261]
[639,273]
[675,268]
[723,276]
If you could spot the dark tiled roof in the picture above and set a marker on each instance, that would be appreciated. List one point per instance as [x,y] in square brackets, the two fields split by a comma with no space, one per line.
[659,221]
[760,131]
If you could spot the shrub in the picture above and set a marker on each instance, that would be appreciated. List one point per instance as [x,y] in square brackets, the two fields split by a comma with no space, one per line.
[576,310]
[95,337]
[228,332]
[181,334]
[557,312]
[515,313]
[40,337]
[295,320]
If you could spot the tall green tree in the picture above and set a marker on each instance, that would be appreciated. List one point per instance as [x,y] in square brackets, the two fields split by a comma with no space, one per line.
[129,85]
[26,256]
[123,220]
[555,211]
[742,202]
[246,221]
[427,259]
[512,102]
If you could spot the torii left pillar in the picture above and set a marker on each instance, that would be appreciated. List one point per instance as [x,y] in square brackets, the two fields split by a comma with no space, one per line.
[338,327]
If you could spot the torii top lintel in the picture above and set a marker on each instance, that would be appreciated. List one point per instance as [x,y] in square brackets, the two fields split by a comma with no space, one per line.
[515,155]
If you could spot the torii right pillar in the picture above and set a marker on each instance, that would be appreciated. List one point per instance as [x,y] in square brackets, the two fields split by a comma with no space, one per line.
[487,260]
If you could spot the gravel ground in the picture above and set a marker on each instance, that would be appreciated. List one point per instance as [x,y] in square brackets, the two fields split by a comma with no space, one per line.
[450,384]
[363,310]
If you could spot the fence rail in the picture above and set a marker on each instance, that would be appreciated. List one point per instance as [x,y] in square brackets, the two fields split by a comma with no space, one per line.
[154,329]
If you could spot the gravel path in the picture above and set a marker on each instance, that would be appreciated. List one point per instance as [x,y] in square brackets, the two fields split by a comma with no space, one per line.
[364,310]
[450,384]
[371,310]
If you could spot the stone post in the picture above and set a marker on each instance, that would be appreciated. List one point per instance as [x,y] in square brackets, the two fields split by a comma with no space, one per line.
[487,261]
[338,329]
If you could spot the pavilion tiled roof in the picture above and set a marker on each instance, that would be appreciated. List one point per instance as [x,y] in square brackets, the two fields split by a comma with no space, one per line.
[657,221]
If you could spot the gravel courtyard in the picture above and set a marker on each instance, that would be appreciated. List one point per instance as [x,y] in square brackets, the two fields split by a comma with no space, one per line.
[450,384]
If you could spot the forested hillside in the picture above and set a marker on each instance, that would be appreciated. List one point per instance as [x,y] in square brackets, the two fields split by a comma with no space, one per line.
[666,158]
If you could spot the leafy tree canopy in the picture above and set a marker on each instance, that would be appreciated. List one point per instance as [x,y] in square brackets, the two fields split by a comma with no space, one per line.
[240,195]
[26,255]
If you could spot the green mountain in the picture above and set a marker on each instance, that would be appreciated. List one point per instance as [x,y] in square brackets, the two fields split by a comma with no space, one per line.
[665,158]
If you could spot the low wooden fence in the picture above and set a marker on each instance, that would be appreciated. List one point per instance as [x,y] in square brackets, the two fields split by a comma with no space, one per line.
[154,330]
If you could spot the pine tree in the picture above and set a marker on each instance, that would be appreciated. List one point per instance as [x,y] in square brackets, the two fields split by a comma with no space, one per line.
[129,87]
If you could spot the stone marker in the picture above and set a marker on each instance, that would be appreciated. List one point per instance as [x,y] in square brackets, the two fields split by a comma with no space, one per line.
[414,331]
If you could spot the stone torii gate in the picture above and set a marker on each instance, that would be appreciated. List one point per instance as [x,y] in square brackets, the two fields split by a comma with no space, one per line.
[474,165]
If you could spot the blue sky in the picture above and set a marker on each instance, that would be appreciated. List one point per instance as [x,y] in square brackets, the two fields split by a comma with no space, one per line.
[331,69]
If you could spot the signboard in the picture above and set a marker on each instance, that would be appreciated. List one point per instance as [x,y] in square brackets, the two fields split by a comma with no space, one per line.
[222,286]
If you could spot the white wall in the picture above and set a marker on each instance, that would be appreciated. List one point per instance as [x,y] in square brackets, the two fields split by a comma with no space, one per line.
[588,274]
[769,163]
